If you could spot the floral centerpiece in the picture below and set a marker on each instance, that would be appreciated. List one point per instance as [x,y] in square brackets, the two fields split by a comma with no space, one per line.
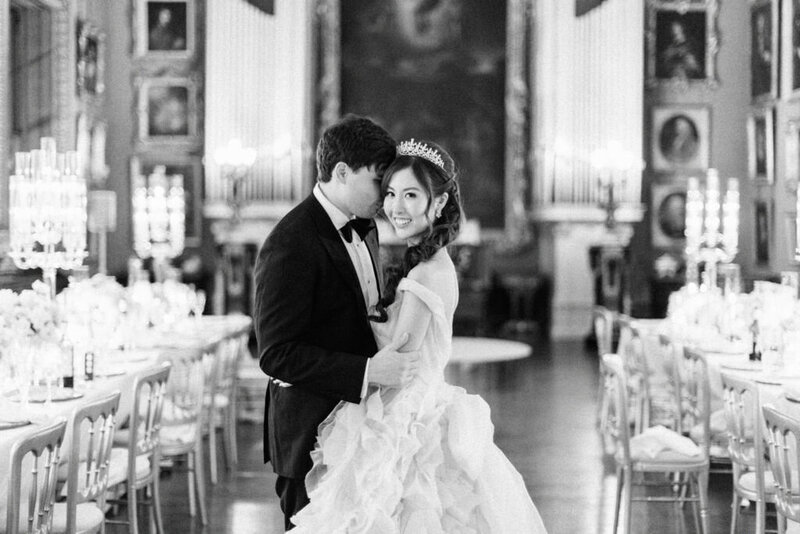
[29,317]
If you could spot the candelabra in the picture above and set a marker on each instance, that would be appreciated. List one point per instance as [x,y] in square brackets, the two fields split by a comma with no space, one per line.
[704,241]
[159,217]
[47,211]
[234,162]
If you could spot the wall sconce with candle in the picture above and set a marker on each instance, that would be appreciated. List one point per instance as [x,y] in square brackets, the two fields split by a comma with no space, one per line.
[47,211]
[235,162]
[705,216]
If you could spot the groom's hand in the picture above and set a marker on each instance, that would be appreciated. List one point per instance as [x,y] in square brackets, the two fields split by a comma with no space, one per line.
[390,367]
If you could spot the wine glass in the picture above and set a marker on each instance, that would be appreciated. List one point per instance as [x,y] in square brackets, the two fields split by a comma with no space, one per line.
[198,304]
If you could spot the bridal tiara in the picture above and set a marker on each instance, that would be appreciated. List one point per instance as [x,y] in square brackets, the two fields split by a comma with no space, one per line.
[413,148]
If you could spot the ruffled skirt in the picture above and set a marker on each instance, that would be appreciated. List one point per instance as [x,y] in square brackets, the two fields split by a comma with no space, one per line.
[418,460]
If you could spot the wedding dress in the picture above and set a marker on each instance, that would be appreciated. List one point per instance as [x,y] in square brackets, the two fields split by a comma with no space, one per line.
[415,460]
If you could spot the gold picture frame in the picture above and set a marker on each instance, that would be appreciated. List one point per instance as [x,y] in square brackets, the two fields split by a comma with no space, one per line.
[761,144]
[167,111]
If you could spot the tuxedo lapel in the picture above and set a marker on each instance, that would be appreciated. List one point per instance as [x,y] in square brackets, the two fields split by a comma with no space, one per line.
[332,242]
[374,251]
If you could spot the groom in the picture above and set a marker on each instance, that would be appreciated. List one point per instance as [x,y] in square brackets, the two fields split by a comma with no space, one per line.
[316,277]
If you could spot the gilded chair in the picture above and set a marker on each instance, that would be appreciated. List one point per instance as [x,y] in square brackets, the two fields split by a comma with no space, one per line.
[139,449]
[87,468]
[677,469]
[783,433]
[752,479]
[44,445]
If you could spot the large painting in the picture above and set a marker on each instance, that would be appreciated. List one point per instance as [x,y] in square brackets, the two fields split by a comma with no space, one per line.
[763,49]
[434,71]
[790,48]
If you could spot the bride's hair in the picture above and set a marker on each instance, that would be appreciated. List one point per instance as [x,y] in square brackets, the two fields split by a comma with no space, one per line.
[435,180]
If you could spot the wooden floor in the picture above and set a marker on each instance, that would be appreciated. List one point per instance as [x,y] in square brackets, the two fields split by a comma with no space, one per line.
[543,408]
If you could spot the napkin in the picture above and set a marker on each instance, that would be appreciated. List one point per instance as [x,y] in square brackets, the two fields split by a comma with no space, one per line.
[651,442]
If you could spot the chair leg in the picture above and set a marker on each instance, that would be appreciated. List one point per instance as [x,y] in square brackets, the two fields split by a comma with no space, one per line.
[200,481]
[233,445]
[618,502]
[212,447]
[702,490]
[133,510]
[761,513]
[628,492]
[157,506]
[735,512]
[191,469]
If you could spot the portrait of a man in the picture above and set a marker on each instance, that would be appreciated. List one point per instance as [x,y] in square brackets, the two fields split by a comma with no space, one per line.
[680,45]
[168,111]
[166,26]
[761,148]
[669,214]
[680,137]
[89,61]
[762,57]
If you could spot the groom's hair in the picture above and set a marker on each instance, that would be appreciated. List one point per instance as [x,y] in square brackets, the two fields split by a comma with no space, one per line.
[358,142]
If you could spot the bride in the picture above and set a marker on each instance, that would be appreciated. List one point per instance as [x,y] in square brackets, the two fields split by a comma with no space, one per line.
[419,459]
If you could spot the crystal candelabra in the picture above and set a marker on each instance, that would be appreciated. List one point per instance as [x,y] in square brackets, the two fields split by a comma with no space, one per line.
[159,217]
[47,211]
[705,243]
[235,162]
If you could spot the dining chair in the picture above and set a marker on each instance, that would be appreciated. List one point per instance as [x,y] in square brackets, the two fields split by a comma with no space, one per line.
[752,479]
[140,451]
[44,445]
[783,433]
[603,325]
[696,420]
[633,464]
[182,423]
[87,468]
[221,402]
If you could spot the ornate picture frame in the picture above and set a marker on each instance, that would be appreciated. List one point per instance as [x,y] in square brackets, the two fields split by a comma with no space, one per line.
[790,49]
[763,226]
[164,28]
[191,167]
[90,60]
[791,154]
[504,45]
[167,111]
[761,144]
[668,220]
[764,47]
[681,137]
[682,43]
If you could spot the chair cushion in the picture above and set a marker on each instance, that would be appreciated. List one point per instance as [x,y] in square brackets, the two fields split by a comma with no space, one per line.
[118,466]
[748,482]
[660,443]
[88,518]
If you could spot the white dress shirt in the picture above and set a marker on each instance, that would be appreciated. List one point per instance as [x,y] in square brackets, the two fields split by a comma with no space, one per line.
[359,255]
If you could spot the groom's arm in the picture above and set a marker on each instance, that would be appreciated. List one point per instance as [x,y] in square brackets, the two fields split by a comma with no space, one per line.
[285,279]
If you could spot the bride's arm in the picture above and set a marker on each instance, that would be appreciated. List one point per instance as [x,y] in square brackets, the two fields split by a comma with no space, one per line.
[414,316]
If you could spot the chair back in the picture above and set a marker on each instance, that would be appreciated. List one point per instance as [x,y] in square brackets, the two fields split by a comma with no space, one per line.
[45,446]
[693,395]
[743,422]
[148,402]
[637,374]
[783,433]
[616,423]
[87,476]
[183,406]
[227,354]
[603,321]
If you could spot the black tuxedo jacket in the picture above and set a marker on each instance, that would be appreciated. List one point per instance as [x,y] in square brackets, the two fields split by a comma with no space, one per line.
[312,329]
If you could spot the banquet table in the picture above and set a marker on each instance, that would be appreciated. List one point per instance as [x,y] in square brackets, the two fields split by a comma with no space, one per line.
[117,371]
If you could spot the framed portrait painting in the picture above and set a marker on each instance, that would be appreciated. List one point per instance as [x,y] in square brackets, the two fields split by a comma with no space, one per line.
[455,73]
[764,31]
[191,168]
[680,138]
[167,110]
[763,222]
[165,28]
[761,144]
[668,222]
[682,42]
[791,152]
[90,60]
[790,49]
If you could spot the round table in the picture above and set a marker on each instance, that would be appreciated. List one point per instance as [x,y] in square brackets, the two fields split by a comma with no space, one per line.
[472,350]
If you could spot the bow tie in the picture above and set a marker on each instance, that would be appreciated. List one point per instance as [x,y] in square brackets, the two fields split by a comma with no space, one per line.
[361,226]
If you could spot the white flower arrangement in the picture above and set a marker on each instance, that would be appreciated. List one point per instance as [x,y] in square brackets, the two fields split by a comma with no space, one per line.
[30,315]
